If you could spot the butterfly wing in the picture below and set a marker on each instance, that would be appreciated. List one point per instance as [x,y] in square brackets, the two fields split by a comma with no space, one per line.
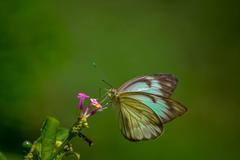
[144,105]
[158,84]
[137,121]
[166,108]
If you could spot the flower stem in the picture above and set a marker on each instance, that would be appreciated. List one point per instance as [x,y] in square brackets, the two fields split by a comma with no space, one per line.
[73,132]
[61,148]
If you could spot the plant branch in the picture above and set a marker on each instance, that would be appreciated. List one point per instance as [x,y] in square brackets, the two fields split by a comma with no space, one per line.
[84,137]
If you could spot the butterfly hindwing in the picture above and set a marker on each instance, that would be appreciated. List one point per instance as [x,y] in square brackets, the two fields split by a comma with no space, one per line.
[166,108]
[137,121]
[158,84]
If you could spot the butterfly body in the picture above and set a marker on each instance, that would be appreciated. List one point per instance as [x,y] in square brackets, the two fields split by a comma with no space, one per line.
[144,105]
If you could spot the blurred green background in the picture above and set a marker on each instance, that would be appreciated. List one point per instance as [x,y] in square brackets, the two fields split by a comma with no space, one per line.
[46,53]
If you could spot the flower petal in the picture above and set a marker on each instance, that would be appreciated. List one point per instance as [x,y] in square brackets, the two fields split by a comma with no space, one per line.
[95,103]
[82,97]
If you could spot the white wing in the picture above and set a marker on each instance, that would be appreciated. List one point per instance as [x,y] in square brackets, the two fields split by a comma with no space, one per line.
[137,121]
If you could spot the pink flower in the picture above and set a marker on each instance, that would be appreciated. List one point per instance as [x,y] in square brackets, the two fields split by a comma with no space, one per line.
[95,103]
[82,97]
[92,107]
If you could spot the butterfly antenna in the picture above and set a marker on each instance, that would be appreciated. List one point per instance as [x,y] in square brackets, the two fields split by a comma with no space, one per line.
[107,83]
[100,74]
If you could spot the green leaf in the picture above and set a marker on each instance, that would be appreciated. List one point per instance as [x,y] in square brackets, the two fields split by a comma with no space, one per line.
[48,137]
[62,134]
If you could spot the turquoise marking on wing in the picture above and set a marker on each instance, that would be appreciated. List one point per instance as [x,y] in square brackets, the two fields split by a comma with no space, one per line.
[154,89]
[158,84]
[147,84]
[160,107]
[139,86]
[166,109]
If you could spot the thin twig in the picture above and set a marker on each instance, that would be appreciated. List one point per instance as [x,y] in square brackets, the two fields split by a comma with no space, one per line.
[89,141]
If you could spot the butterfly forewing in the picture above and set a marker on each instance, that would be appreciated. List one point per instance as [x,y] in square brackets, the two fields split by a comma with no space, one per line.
[158,84]
[137,121]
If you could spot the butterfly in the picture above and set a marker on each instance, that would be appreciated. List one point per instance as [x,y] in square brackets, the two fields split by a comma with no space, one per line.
[144,105]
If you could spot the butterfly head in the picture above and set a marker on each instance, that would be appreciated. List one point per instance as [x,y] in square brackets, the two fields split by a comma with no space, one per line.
[112,94]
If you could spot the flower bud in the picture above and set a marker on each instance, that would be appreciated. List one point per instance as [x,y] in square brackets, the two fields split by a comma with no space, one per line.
[27,144]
